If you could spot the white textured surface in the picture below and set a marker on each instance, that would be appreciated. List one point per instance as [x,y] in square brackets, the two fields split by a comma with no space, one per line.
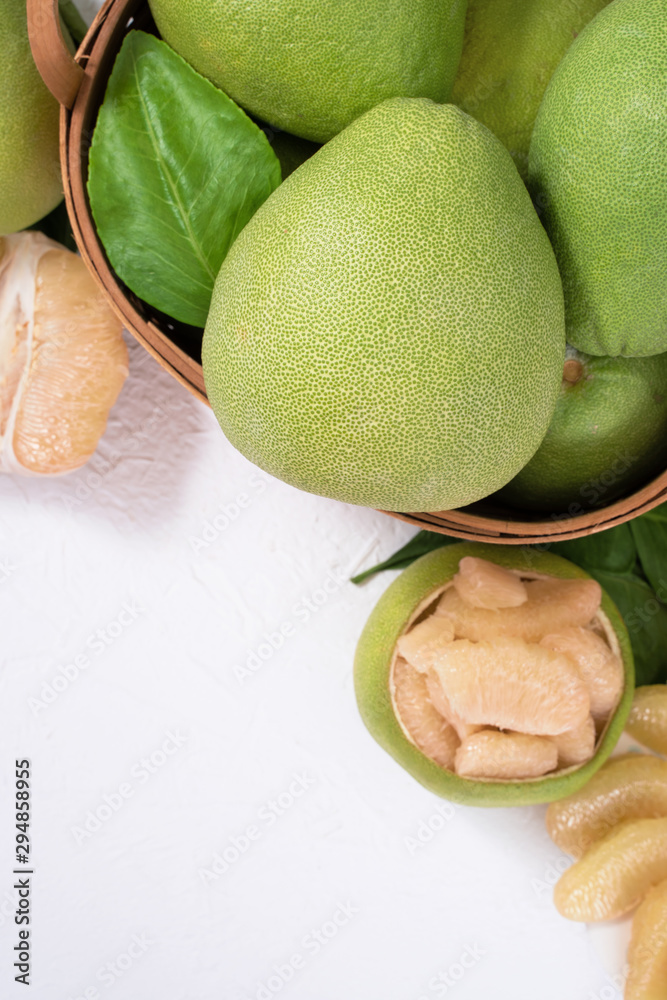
[130,530]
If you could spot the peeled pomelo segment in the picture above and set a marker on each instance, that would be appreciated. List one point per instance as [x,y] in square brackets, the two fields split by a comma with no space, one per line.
[428,729]
[600,668]
[492,754]
[421,643]
[483,584]
[647,953]
[647,721]
[511,684]
[552,605]
[441,702]
[626,788]
[615,873]
[576,746]
[63,359]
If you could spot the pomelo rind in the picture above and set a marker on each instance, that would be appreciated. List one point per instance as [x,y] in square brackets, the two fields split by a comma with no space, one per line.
[408,597]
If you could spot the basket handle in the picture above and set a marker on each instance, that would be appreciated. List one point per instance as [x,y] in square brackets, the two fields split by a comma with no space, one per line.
[58,68]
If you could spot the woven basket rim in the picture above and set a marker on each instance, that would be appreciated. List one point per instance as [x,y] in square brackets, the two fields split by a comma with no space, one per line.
[107,29]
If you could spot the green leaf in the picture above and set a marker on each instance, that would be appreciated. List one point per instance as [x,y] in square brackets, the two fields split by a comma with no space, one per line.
[73,21]
[646,621]
[613,549]
[650,535]
[423,542]
[176,171]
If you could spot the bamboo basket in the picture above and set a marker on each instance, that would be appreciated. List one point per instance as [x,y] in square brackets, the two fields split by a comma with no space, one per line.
[79,84]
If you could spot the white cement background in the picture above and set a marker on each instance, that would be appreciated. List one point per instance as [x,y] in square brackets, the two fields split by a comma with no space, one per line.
[124,532]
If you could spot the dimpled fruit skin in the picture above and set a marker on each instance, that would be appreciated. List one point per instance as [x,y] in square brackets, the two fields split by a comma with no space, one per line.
[312,68]
[608,436]
[510,51]
[598,166]
[388,330]
[398,606]
[30,179]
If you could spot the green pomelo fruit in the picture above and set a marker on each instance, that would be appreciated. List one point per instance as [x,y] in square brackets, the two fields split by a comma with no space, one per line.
[608,436]
[311,69]
[388,330]
[407,596]
[510,51]
[598,168]
[30,178]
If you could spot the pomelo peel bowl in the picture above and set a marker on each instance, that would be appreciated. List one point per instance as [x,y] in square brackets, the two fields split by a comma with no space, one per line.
[409,601]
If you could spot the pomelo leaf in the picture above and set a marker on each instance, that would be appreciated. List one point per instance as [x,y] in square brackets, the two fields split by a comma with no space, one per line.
[73,20]
[650,535]
[613,550]
[176,171]
[646,621]
[423,542]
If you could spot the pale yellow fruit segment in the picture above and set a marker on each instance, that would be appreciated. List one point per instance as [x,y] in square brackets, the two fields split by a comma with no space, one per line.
[63,359]
[647,721]
[647,954]
[441,702]
[552,605]
[629,787]
[492,754]
[427,728]
[576,746]
[483,584]
[512,685]
[615,873]
[422,642]
[600,668]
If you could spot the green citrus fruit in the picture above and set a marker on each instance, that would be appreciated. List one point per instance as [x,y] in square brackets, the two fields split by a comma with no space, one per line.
[309,68]
[598,167]
[387,330]
[510,51]
[405,600]
[608,436]
[30,178]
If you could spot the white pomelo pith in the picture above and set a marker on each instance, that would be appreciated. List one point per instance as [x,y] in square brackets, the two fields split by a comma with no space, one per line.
[388,328]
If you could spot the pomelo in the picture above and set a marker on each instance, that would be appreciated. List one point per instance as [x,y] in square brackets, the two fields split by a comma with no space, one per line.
[647,952]
[647,721]
[633,786]
[388,330]
[615,873]
[311,69]
[30,178]
[510,51]
[406,601]
[62,357]
[608,436]
[598,168]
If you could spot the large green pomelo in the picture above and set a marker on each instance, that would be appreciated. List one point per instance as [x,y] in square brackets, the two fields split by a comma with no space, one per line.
[598,166]
[392,615]
[608,436]
[388,328]
[30,178]
[510,51]
[312,68]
